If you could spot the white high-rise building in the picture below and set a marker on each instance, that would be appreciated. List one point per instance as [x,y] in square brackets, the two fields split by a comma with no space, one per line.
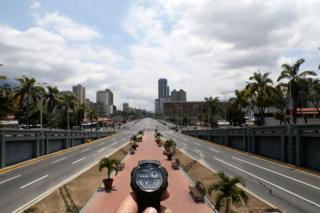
[104,104]
[80,92]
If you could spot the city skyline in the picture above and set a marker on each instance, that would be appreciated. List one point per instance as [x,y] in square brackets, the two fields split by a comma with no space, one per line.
[65,45]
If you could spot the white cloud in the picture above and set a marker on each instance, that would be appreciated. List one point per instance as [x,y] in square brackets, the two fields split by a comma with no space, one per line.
[210,47]
[67,28]
[205,47]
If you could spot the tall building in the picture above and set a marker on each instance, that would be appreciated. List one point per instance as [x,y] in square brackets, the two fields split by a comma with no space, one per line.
[163,88]
[163,95]
[80,92]
[104,105]
[178,96]
[125,107]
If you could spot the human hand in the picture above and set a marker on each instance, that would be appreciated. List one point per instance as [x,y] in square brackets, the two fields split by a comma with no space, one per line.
[130,205]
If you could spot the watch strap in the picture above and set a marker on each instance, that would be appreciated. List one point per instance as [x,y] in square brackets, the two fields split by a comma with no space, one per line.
[144,203]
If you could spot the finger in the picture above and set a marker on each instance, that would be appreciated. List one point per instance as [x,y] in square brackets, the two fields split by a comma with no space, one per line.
[165,195]
[128,205]
[150,210]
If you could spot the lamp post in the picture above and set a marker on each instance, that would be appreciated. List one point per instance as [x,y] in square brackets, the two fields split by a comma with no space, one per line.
[41,105]
[225,106]
[291,102]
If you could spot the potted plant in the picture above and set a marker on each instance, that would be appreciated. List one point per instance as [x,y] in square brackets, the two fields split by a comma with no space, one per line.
[110,165]
[170,148]
[134,142]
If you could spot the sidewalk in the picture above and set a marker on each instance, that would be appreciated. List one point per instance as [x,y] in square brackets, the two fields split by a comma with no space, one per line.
[179,200]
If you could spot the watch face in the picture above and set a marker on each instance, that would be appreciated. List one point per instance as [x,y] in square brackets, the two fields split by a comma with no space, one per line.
[149,178]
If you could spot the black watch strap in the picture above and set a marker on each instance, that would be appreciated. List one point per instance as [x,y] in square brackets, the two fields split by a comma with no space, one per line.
[144,203]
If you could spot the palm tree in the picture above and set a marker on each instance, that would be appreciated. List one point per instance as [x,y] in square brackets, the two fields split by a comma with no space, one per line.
[291,73]
[92,115]
[212,105]
[170,148]
[53,98]
[228,191]
[260,88]
[110,165]
[134,141]
[7,105]
[280,103]
[27,95]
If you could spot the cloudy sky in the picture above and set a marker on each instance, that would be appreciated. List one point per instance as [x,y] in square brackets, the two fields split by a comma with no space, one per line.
[205,47]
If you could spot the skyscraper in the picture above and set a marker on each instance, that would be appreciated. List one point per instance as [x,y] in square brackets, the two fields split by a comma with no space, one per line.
[80,92]
[163,95]
[163,88]
[104,104]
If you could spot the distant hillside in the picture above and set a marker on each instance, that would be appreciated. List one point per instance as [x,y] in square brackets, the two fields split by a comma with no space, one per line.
[10,82]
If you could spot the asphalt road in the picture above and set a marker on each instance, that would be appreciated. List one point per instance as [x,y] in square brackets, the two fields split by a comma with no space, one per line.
[21,186]
[289,189]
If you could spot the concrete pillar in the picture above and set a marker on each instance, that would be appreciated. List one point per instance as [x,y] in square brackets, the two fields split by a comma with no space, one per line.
[283,146]
[291,146]
[221,137]
[253,143]
[299,152]
[66,141]
[227,138]
[37,147]
[244,141]
[3,151]
[46,144]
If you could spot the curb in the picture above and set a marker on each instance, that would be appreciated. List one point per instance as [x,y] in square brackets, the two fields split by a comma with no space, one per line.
[43,157]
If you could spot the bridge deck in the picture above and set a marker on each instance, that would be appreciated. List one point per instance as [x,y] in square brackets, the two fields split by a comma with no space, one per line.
[179,200]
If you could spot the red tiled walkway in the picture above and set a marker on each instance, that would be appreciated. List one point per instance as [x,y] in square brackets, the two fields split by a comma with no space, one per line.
[179,200]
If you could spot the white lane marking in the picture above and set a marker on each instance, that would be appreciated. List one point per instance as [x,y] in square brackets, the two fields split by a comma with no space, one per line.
[279,187]
[100,150]
[269,170]
[32,182]
[10,179]
[85,150]
[56,161]
[184,139]
[197,144]
[214,150]
[77,161]
[101,144]
[49,191]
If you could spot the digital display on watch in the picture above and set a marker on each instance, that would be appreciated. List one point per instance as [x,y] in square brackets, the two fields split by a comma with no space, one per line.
[149,179]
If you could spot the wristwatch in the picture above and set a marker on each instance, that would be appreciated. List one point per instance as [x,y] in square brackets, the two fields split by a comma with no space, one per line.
[149,180]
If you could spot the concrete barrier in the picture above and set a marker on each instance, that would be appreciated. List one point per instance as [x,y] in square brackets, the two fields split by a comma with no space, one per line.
[20,145]
[298,145]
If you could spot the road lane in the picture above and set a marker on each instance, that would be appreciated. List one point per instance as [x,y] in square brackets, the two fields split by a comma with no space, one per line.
[37,178]
[290,190]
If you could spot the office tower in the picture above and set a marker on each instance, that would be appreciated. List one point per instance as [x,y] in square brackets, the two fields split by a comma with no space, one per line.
[162,88]
[80,92]
[104,102]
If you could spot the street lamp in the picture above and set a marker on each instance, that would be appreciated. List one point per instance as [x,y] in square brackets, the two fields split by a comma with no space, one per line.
[291,102]
[41,104]
[225,106]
